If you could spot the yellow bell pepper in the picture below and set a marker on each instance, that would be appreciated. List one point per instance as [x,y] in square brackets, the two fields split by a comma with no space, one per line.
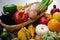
[19,6]
[31,30]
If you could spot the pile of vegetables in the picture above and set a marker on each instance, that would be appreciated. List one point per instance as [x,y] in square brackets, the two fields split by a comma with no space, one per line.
[42,29]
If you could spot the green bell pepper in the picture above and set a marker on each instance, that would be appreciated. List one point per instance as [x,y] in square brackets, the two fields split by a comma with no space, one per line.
[10,8]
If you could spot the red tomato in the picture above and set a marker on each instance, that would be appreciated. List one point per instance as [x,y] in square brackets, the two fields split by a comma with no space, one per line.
[20,16]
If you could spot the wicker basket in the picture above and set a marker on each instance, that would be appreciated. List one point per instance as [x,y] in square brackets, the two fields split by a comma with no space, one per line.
[18,26]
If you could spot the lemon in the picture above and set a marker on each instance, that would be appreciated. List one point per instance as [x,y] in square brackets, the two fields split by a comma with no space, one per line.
[56,15]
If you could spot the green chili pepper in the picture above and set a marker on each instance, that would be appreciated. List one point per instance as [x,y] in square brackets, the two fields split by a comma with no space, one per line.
[44,3]
[49,2]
